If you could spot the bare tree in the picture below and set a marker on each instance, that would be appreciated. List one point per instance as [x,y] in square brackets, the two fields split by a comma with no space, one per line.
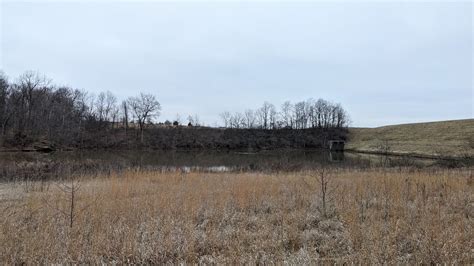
[319,108]
[81,107]
[5,110]
[71,190]
[237,120]
[300,115]
[30,84]
[273,117]
[326,187]
[323,180]
[249,118]
[144,108]
[125,115]
[304,114]
[100,107]
[31,110]
[110,110]
[287,114]
[342,118]
[72,209]
[197,120]
[310,113]
[226,116]
[264,113]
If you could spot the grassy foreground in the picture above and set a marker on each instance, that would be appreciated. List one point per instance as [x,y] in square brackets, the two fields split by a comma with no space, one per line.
[370,216]
[437,139]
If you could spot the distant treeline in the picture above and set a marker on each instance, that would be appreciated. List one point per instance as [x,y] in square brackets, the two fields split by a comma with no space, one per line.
[301,115]
[34,110]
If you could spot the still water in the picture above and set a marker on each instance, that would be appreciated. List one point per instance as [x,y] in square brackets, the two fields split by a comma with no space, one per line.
[213,161]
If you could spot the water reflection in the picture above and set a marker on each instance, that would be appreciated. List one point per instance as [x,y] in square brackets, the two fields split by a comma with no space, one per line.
[35,166]
[212,160]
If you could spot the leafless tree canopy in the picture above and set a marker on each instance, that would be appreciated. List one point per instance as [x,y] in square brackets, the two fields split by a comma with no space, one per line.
[144,108]
[305,114]
[32,109]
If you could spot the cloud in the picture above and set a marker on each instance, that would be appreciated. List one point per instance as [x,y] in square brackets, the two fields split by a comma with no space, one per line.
[207,57]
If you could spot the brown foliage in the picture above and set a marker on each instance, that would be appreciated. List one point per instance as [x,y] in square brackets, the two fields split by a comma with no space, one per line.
[151,217]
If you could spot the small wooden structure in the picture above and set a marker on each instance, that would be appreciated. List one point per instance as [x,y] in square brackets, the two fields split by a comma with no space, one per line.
[336,145]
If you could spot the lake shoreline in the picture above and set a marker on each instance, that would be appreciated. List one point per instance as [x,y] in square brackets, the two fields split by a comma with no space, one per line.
[409,155]
[253,151]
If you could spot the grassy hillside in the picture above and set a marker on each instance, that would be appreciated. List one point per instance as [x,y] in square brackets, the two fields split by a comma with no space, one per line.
[445,138]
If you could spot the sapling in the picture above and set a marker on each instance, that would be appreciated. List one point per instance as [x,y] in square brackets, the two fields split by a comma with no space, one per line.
[325,187]
[70,191]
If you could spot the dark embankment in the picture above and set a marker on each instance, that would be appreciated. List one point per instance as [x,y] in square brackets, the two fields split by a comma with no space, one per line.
[168,138]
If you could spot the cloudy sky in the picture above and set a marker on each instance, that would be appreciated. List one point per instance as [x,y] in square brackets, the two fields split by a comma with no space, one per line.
[385,62]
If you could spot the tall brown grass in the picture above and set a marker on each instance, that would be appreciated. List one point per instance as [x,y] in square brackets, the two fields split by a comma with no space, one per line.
[371,216]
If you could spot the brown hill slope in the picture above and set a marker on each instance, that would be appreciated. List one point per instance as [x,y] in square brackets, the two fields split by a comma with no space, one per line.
[445,138]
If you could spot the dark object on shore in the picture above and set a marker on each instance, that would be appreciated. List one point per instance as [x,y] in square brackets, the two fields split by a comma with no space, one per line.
[336,156]
[43,146]
[336,145]
[45,149]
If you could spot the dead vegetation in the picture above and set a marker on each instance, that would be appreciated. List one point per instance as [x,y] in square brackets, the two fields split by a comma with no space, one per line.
[433,139]
[365,216]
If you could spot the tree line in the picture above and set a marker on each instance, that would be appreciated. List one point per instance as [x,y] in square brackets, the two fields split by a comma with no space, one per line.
[301,115]
[32,108]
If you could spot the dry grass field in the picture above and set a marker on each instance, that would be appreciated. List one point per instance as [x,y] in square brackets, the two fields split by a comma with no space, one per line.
[370,216]
[444,139]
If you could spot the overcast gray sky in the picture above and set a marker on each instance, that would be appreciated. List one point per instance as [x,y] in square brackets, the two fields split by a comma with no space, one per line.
[386,63]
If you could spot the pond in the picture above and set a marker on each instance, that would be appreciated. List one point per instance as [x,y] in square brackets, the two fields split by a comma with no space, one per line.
[38,166]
